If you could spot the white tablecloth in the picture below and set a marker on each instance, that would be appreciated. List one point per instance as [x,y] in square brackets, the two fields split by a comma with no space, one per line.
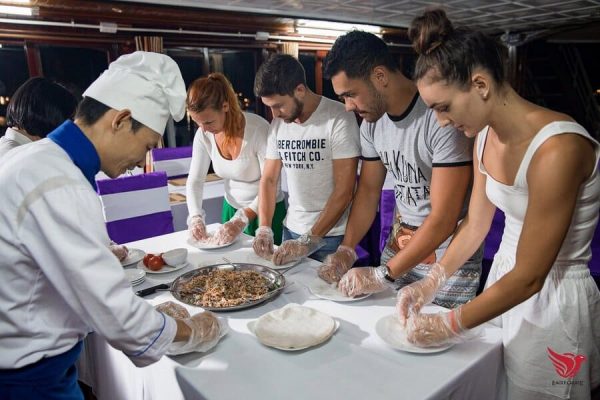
[354,364]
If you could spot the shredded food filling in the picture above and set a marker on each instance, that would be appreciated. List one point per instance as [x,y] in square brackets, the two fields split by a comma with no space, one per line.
[220,289]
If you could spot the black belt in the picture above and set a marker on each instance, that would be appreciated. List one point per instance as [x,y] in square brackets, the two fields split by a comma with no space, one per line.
[407,226]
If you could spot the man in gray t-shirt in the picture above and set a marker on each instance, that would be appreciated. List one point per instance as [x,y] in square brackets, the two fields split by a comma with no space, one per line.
[431,166]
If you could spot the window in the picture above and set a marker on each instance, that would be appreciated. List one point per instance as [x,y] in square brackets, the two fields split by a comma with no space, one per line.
[237,65]
[13,73]
[75,68]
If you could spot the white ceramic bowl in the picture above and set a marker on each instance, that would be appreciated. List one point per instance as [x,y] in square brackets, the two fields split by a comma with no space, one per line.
[175,256]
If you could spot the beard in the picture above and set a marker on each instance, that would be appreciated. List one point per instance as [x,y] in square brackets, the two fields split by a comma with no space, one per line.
[295,113]
[377,108]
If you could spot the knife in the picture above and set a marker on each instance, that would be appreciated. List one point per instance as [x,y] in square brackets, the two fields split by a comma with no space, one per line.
[152,289]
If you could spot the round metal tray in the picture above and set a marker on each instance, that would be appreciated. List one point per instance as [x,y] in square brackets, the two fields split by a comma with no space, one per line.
[276,283]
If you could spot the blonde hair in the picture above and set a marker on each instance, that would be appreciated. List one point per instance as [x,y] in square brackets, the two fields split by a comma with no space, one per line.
[211,92]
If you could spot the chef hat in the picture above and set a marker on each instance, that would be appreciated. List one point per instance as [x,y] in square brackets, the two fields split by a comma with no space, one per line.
[148,84]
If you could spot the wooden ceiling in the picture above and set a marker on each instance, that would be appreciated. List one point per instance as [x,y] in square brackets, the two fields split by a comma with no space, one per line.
[149,20]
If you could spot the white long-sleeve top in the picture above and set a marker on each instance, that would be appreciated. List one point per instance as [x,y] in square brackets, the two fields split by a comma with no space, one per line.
[241,176]
[59,280]
[12,139]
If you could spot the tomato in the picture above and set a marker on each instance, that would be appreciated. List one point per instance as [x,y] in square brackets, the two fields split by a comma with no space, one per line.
[155,263]
[147,258]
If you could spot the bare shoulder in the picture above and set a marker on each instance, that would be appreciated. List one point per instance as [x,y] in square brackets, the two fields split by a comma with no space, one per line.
[568,155]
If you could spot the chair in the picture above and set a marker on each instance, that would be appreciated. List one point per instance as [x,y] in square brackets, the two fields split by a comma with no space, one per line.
[136,171]
[175,161]
[387,205]
[136,207]
[490,247]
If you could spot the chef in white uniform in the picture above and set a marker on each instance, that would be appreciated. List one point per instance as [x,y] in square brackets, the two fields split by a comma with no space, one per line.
[59,280]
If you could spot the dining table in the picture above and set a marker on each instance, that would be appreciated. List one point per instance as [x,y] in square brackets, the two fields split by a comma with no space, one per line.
[354,363]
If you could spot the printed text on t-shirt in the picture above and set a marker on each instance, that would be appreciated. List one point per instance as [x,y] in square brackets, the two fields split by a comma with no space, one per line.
[410,182]
[301,153]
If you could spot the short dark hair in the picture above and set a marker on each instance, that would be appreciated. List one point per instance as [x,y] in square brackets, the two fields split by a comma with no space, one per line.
[91,110]
[39,106]
[357,53]
[454,53]
[279,74]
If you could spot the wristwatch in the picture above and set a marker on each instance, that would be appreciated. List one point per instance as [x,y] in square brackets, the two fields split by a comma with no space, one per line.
[388,275]
[305,239]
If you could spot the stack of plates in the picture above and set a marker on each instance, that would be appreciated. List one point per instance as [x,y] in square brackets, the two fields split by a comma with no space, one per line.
[135,276]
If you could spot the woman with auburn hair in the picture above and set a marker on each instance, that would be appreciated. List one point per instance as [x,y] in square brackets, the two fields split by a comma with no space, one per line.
[235,142]
[539,167]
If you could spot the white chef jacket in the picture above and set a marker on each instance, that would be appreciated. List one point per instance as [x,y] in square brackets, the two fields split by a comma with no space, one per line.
[12,139]
[59,278]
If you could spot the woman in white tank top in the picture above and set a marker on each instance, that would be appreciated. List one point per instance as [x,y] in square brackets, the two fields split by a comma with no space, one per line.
[540,168]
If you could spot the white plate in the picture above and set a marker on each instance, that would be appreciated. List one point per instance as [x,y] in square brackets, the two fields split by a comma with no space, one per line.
[134,275]
[133,257]
[270,264]
[207,246]
[247,255]
[390,331]
[165,269]
[327,291]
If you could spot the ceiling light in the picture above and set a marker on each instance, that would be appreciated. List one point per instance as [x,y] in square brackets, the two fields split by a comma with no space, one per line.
[328,28]
[15,10]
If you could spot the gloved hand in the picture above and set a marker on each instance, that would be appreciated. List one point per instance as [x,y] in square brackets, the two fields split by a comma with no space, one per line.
[337,264]
[120,251]
[413,297]
[231,229]
[197,228]
[173,310]
[206,330]
[295,249]
[430,330]
[363,280]
[263,242]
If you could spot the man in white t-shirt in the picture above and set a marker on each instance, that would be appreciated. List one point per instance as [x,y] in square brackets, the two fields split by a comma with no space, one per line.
[316,141]
[431,166]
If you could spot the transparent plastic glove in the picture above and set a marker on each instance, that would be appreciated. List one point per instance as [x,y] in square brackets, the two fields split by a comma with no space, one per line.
[363,280]
[173,310]
[263,243]
[430,330]
[197,228]
[120,251]
[231,229]
[337,264]
[206,330]
[295,249]
[413,297]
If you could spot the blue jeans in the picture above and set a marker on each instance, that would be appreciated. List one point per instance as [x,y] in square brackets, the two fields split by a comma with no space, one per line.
[331,244]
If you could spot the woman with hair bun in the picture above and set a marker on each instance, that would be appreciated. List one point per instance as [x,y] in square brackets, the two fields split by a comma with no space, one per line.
[539,167]
[236,143]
